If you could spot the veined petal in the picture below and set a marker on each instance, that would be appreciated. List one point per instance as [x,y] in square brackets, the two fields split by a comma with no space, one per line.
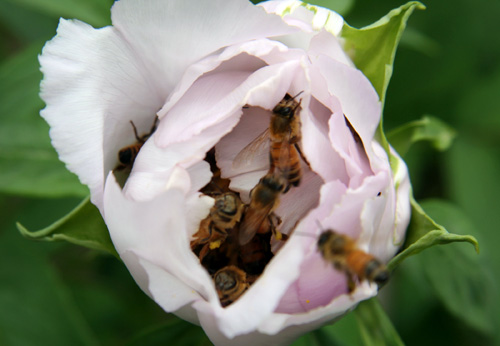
[306,16]
[93,86]
[162,245]
[186,31]
[358,98]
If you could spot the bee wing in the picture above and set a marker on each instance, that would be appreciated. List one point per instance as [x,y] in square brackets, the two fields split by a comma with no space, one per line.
[254,217]
[259,146]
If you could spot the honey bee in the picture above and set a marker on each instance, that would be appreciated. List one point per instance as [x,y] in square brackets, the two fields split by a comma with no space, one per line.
[284,133]
[264,199]
[224,215]
[342,252]
[230,283]
[127,155]
[284,136]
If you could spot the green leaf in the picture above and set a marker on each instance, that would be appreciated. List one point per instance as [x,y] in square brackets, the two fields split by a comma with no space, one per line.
[82,226]
[28,164]
[456,275]
[37,307]
[373,49]
[94,12]
[423,232]
[426,129]
[175,332]
[375,326]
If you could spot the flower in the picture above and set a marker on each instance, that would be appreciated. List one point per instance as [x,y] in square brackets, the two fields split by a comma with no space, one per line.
[212,72]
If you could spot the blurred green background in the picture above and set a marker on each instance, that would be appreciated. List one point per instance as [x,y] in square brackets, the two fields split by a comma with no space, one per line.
[447,65]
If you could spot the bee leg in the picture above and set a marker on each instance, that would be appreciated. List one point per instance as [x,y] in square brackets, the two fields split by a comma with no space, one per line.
[203,252]
[351,285]
[139,139]
[301,154]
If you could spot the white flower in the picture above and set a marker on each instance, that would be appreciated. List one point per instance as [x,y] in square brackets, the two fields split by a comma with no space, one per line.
[212,71]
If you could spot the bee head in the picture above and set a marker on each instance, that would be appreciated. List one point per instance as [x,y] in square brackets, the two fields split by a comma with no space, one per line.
[377,272]
[323,238]
[226,203]
[224,281]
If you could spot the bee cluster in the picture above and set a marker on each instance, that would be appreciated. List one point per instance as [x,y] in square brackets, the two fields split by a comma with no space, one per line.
[233,242]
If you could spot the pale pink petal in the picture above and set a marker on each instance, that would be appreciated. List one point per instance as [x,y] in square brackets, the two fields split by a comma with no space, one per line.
[185,31]
[325,43]
[306,16]
[403,196]
[93,86]
[164,288]
[329,165]
[154,166]
[156,232]
[358,98]
[315,318]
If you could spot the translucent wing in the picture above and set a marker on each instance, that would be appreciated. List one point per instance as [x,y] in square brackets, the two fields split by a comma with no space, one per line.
[253,152]
[254,217]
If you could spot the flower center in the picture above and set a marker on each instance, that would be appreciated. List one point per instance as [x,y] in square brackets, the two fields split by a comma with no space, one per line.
[243,231]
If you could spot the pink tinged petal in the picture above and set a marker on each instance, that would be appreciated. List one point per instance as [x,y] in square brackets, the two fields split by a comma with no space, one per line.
[308,17]
[346,215]
[403,195]
[299,201]
[315,318]
[154,166]
[261,299]
[389,235]
[200,107]
[156,232]
[92,80]
[164,288]
[353,154]
[325,43]
[245,57]
[358,98]
[324,160]
[185,31]
[318,284]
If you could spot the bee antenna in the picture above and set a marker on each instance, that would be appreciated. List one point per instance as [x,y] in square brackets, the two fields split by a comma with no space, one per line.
[319,225]
[293,98]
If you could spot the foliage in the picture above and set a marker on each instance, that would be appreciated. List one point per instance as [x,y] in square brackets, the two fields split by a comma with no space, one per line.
[447,65]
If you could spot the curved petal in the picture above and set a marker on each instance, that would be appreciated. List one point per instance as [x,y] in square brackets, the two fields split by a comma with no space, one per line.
[358,98]
[186,31]
[162,244]
[308,17]
[92,87]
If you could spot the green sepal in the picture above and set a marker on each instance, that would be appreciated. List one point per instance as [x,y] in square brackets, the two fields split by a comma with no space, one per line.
[423,232]
[462,281]
[429,128]
[373,48]
[375,326]
[82,226]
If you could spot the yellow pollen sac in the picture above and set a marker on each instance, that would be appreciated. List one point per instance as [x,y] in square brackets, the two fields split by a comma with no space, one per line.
[308,301]
[215,244]
[278,235]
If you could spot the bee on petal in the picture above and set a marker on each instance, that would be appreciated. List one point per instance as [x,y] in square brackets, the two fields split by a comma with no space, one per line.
[341,251]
